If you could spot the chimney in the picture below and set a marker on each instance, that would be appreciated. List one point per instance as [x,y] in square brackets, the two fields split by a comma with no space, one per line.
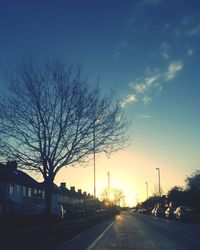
[63,185]
[72,188]
[79,191]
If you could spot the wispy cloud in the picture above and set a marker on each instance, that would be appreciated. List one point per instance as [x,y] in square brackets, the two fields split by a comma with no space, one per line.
[140,87]
[173,69]
[146,100]
[159,87]
[116,54]
[190,52]
[144,91]
[129,99]
[145,116]
[150,80]
[131,21]
[188,26]
[121,46]
[165,55]
[194,31]
[177,32]
[165,47]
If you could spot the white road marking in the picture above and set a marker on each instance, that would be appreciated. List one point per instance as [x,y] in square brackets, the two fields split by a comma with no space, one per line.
[100,236]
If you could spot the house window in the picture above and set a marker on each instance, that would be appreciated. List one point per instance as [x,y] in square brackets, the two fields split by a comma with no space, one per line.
[24,191]
[29,192]
[18,189]
[43,194]
[11,189]
[40,194]
[35,192]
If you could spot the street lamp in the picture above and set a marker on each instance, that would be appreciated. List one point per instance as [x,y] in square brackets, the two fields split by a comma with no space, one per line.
[147,189]
[108,174]
[137,199]
[158,169]
[96,120]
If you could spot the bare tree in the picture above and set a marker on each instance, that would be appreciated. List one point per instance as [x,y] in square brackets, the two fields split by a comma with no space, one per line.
[48,119]
[118,196]
[104,196]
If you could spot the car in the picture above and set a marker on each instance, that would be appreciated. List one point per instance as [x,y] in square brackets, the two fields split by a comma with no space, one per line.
[153,211]
[148,210]
[169,212]
[160,212]
[184,213]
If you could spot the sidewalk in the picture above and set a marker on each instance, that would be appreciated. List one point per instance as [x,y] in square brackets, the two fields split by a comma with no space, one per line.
[46,237]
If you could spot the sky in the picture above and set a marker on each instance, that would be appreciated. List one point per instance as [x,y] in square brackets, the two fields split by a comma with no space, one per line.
[148,51]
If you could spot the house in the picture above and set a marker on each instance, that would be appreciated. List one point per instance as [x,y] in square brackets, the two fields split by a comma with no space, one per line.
[21,194]
[18,191]
[69,198]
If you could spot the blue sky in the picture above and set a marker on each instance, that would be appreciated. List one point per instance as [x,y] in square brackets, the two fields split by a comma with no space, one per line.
[147,50]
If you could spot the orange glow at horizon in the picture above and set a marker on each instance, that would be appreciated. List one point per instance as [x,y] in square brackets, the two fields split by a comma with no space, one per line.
[129,172]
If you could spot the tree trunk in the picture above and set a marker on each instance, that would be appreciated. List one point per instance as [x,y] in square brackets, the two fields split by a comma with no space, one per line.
[48,184]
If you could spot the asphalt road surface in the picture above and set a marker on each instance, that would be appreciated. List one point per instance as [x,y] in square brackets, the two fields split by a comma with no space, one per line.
[138,232]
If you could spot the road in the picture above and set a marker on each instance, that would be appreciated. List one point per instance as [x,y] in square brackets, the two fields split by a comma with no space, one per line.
[137,232]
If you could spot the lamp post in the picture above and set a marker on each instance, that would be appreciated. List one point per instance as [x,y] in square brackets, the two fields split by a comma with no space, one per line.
[147,189]
[96,120]
[137,199]
[108,174]
[158,169]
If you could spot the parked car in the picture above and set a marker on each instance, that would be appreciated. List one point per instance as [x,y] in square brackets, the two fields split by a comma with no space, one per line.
[148,211]
[184,213]
[160,212]
[140,210]
[153,211]
[169,212]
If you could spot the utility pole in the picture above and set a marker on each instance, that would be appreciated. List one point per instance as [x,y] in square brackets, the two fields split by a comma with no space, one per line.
[147,189]
[108,174]
[159,190]
[137,199]
[94,156]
